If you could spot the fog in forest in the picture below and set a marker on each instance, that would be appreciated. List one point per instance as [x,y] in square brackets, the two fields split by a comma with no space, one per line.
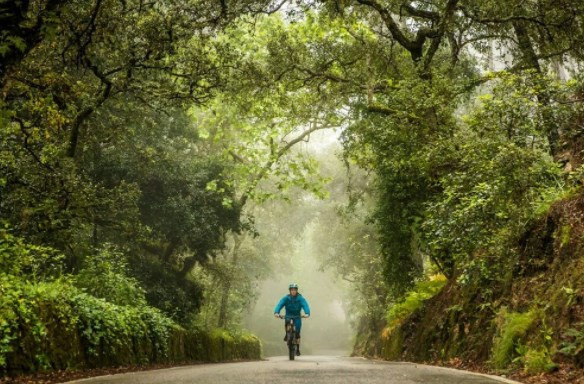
[328,329]
[300,257]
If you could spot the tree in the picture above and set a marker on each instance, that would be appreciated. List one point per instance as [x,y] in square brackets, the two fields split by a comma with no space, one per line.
[92,110]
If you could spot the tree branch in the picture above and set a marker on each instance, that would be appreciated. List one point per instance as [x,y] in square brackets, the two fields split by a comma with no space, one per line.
[277,155]
[414,47]
[376,108]
[87,111]
[413,11]
[27,147]
[444,21]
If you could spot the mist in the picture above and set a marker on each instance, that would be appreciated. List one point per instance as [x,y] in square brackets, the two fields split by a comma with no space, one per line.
[297,256]
[328,330]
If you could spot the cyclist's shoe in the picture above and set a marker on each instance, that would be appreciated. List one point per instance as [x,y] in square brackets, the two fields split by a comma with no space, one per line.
[285,337]
[298,351]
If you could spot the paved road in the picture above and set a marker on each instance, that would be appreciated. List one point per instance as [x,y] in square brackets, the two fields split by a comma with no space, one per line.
[305,370]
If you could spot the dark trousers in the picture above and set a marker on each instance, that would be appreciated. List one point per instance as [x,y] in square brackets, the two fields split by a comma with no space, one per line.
[286,330]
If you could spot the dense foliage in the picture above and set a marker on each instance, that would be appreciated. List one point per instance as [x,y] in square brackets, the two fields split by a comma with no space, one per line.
[464,154]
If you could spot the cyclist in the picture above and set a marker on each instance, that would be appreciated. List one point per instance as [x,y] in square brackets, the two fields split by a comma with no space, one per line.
[293,302]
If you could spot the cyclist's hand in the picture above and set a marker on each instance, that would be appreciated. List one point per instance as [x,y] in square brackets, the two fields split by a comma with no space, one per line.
[306,316]
[277,315]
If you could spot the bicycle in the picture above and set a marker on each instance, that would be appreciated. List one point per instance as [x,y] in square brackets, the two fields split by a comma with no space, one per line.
[291,336]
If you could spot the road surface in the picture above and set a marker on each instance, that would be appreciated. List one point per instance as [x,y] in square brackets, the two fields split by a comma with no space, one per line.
[305,370]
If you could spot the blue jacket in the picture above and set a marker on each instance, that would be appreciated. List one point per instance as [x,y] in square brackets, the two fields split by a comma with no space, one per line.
[293,305]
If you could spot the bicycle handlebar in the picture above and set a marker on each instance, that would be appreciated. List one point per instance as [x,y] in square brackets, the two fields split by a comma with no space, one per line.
[293,316]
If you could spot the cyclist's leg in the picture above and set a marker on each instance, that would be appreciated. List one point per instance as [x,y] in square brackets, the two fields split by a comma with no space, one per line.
[285,330]
[298,325]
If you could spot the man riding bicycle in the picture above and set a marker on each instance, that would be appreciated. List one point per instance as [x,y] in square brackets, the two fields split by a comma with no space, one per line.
[294,302]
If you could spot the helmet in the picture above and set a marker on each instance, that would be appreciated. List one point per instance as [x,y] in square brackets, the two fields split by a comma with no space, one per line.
[293,285]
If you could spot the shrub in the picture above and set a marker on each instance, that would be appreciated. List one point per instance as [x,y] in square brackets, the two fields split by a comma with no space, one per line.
[104,275]
[98,318]
[54,325]
[19,258]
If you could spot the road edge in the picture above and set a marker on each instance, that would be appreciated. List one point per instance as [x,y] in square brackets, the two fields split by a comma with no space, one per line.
[493,377]
[89,374]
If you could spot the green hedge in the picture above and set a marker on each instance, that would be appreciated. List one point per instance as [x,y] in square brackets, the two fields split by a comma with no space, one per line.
[53,325]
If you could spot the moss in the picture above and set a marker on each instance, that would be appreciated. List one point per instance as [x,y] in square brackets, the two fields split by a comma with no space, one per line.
[538,361]
[393,344]
[564,235]
[513,330]
[544,271]
[222,345]
[247,343]
[415,299]
[218,343]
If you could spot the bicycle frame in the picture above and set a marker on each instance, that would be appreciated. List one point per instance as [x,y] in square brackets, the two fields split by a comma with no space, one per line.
[291,338]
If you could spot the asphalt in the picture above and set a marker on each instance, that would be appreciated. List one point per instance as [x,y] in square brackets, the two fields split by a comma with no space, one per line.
[304,370]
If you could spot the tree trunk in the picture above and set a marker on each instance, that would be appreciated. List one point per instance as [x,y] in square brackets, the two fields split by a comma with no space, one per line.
[223,306]
[227,281]
[529,57]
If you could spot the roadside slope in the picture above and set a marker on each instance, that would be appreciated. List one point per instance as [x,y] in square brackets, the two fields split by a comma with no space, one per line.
[529,324]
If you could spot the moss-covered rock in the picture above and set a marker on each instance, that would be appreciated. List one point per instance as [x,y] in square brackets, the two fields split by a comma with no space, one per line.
[537,361]
[392,343]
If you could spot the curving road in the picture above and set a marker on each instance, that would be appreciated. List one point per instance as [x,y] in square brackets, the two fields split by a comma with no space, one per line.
[305,370]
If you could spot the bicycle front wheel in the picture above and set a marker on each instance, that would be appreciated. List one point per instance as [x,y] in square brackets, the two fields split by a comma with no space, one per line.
[292,351]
